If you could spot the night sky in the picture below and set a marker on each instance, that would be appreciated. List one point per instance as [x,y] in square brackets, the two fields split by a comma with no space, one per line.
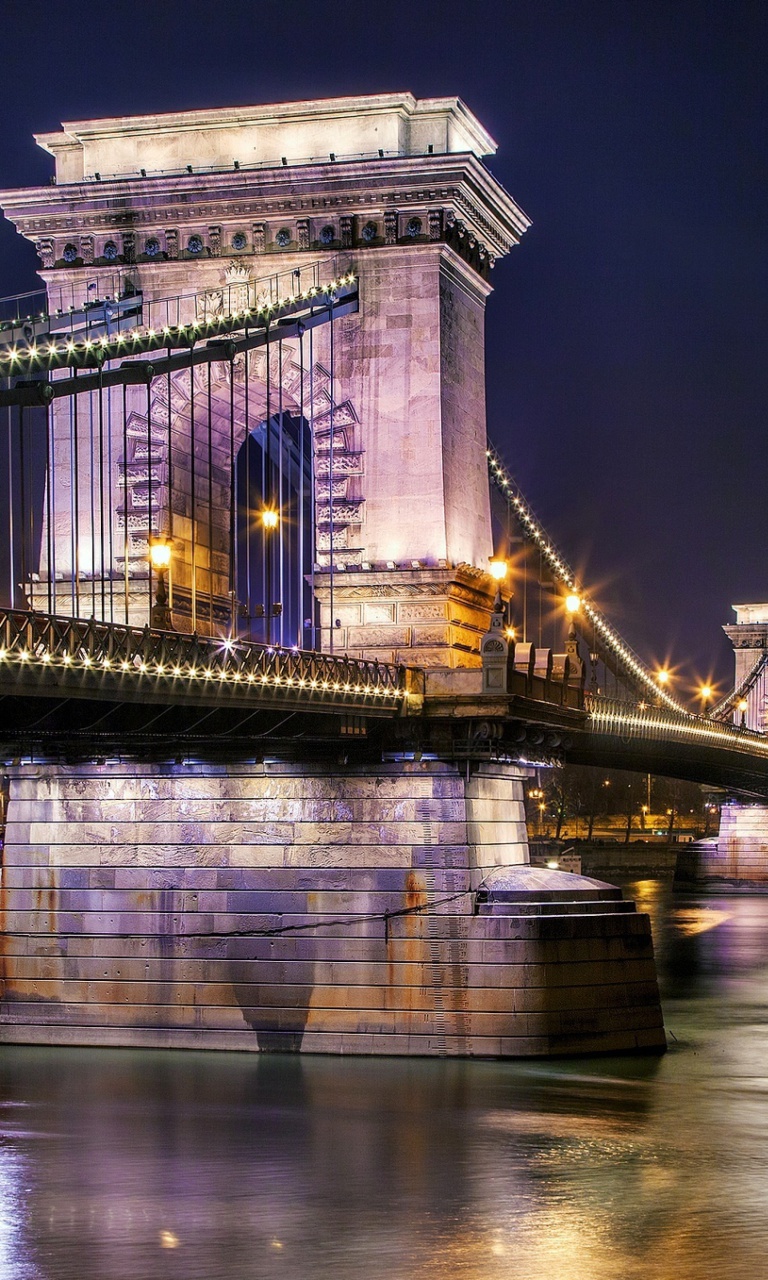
[627,370]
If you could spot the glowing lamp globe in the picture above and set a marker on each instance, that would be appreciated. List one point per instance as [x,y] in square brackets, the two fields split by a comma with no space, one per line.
[160,555]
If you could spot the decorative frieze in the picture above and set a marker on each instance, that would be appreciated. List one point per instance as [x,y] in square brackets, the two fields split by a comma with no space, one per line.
[86,250]
[259,237]
[172,243]
[346,225]
[214,237]
[302,233]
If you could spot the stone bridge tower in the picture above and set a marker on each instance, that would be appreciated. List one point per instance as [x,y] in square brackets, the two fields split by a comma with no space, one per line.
[202,207]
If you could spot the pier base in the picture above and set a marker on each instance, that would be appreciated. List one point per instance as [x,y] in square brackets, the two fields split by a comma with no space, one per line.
[737,858]
[369,909]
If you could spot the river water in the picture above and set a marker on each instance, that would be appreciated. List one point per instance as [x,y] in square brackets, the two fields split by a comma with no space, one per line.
[139,1165]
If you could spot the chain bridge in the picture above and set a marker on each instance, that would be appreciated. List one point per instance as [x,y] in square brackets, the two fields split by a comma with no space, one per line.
[275,610]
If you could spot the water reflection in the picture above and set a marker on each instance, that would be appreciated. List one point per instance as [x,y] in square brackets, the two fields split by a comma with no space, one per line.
[117,1164]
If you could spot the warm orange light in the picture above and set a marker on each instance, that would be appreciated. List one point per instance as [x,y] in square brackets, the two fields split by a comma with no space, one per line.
[497,569]
[706,691]
[743,705]
[573,603]
[160,554]
[510,633]
[662,676]
[269,518]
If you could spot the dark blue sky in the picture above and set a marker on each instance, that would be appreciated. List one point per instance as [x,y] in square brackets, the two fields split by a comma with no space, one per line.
[627,370]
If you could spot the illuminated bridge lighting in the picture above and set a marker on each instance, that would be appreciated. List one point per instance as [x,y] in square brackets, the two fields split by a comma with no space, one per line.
[69,351]
[33,640]
[622,719]
[609,638]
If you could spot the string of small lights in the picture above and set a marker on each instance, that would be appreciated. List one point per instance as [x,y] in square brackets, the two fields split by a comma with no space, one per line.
[624,719]
[736,696]
[29,640]
[92,352]
[610,641]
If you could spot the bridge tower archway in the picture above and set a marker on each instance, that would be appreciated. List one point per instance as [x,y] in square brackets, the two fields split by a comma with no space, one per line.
[201,210]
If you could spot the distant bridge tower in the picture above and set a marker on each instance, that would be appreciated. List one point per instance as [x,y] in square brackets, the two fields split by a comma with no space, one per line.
[201,207]
[749,637]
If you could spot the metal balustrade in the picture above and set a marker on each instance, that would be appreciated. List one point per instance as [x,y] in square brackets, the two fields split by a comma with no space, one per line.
[660,724]
[97,656]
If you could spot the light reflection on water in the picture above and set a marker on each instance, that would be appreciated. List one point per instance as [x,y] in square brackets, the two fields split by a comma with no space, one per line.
[122,1165]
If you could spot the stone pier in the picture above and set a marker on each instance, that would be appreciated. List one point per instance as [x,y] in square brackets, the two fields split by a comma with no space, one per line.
[311,908]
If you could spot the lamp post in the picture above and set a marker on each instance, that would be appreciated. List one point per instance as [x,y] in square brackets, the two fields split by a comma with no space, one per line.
[706,694]
[742,707]
[160,560]
[498,571]
[269,522]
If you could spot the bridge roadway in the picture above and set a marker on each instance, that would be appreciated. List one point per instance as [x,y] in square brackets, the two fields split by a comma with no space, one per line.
[74,687]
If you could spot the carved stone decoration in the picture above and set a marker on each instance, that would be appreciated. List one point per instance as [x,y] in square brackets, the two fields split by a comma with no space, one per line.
[302,232]
[214,234]
[172,243]
[45,251]
[237,281]
[435,224]
[86,250]
[129,246]
[346,232]
[259,237]
[343,513]
[390,227]
[210,304]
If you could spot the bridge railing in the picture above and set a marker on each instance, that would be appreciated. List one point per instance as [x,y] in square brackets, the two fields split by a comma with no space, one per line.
[186,661]
[655,723]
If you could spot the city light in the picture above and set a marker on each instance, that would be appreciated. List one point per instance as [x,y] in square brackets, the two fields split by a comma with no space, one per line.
[573,603]
[497,569]
[270,518]
[160,554]
[610,641]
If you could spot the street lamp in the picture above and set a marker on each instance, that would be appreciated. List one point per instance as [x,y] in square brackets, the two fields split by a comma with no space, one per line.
[498,571]
[270,520]
[572,603]
[742,707]
[160,561]
[705,693]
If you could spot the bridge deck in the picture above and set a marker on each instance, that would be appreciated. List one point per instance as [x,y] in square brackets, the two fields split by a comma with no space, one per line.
[48,656]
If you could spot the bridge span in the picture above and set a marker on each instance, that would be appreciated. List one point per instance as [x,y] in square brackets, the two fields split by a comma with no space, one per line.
[265,710]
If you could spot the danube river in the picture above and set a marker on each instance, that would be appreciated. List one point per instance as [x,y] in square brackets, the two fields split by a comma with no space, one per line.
[122,1165]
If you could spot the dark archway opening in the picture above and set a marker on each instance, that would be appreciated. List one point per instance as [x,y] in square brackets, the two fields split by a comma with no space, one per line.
[274,561]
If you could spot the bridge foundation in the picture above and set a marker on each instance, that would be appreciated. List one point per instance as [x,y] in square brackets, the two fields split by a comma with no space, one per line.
[307,907]
[737,858]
